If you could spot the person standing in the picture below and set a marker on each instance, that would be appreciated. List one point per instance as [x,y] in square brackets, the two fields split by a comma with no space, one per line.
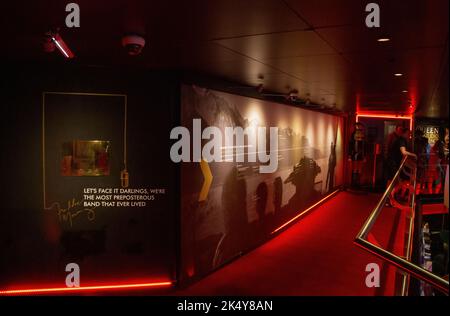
[437,165]
[397,151]
[388,167]
[446,156]
[421,150]
[357,153]
[392,137]
[445,150]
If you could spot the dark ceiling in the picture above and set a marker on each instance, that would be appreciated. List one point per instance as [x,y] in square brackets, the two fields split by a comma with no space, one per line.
[321,48]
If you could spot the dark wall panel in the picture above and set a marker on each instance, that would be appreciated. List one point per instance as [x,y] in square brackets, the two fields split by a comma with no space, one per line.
[118,244]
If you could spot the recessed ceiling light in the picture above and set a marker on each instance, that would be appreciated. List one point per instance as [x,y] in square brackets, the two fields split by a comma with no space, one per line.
[383,39]
[398,74]
[404,91]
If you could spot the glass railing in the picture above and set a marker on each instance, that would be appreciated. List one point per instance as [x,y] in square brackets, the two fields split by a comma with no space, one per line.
[394,233]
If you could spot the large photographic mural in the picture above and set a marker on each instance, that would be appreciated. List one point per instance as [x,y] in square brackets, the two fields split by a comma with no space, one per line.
[243,206]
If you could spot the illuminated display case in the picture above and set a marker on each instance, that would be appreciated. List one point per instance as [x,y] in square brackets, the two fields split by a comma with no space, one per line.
[85,158]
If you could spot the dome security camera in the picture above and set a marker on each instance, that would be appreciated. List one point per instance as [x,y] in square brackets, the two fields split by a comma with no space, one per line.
[133,43]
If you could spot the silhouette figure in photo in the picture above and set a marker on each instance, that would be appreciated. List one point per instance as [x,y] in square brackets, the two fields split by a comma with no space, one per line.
[261,204]
[277,194]
[303,178]
[331,166]
[234,206]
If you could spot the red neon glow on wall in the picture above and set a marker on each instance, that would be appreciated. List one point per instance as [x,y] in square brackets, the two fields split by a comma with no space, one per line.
[62,46]
[388,116]
[85,288]
[358,102]
[412,96]
[305,211]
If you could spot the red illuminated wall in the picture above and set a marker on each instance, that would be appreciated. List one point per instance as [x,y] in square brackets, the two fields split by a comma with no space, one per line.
[244,207]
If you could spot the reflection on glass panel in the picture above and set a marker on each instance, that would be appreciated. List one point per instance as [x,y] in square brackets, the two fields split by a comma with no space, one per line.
[85,158]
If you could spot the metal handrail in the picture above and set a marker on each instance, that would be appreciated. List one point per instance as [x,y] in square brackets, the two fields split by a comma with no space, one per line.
[401,263]
[409,243]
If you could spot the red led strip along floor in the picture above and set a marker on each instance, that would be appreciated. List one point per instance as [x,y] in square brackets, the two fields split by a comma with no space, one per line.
[305,211]
[138,285]
[86,288]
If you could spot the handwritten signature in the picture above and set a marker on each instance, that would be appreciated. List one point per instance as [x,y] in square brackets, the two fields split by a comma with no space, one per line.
[74,208]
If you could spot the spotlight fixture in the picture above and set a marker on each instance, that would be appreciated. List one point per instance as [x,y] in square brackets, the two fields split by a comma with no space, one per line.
[292,96]
[56,39]
[405,91]
[398,74]
[383,39]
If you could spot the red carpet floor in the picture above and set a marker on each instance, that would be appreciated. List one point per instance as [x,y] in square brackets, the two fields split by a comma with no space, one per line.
[315,256]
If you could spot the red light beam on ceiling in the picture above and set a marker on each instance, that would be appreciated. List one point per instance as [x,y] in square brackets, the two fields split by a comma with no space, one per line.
[86,288]
[306,211]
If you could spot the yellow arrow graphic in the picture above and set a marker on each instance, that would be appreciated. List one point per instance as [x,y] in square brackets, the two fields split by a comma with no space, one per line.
[208,180]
